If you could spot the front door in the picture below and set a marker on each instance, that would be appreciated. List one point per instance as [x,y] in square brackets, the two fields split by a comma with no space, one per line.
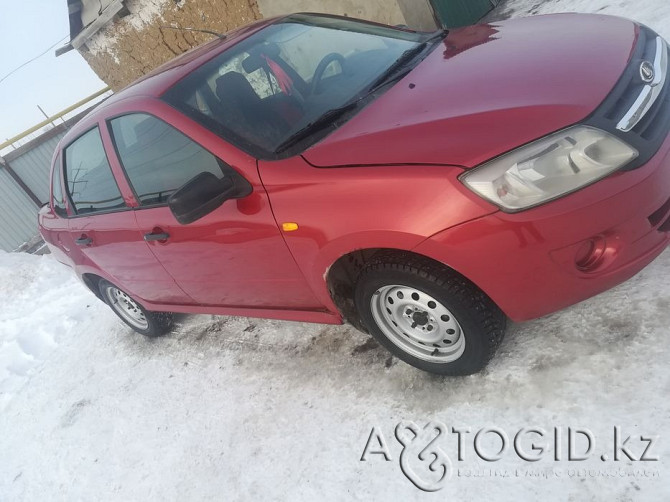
[233,257]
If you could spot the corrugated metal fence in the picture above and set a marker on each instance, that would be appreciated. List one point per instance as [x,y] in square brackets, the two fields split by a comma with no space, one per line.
[32,166]
[24,175]
[24,186]
[18,214]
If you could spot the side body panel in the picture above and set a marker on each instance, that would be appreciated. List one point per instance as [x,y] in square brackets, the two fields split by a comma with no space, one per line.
[54,228]
[342,210]
[118,249]
[233,257]
[55,232]
[526,262]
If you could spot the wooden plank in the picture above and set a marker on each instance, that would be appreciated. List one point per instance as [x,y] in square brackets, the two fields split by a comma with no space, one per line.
[107,15]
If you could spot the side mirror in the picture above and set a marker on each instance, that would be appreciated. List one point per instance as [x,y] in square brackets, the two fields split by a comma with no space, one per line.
[205,193]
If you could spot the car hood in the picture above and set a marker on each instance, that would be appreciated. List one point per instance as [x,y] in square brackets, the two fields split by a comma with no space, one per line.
[485,90]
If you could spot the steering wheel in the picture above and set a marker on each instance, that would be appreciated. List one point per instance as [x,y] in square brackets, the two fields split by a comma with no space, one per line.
[323,66]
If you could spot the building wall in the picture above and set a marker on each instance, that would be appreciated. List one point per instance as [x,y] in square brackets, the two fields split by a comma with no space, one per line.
[418,14]
[381,11]
[131,46]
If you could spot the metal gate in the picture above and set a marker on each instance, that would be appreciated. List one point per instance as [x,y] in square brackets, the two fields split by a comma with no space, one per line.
[456,13]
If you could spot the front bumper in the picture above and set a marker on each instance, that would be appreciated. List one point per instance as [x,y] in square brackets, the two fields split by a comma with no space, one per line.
[542,260]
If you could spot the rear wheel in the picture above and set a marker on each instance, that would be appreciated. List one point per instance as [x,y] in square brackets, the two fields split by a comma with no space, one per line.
[429,316]
[151,324]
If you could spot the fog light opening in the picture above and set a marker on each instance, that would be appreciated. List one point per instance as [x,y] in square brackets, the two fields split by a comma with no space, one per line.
[590,254]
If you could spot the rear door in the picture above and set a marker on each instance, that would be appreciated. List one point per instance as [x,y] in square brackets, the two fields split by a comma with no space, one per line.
[233,257]
[103,229]
[53,218]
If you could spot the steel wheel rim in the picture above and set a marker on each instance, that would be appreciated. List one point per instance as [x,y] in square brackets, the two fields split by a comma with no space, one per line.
[418,323]
[127,308]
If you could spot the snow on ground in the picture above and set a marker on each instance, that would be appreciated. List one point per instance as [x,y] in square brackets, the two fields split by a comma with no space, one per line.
[653,13]
[240,409]
[245,409]
[29,331]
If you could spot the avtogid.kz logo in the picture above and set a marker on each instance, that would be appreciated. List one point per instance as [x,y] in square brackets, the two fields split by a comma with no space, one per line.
[424,461]
[421,445]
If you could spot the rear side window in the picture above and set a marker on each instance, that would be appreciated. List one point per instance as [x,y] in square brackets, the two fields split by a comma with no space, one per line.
[157,158]
[89,179]
[57,199]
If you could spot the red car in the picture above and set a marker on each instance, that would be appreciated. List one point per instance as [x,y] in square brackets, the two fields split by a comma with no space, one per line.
[424,187]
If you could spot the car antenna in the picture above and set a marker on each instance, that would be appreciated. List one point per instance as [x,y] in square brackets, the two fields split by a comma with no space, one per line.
[209,32]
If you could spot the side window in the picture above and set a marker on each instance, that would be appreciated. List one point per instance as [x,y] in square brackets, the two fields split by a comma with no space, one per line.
[57,199]
[89,179]
[158,159]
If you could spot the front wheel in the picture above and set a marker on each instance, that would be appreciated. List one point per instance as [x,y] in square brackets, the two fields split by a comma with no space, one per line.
[429,316]
[151,324]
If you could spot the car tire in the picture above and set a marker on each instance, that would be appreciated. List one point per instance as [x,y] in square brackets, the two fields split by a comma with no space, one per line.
[429,316]
[149,324]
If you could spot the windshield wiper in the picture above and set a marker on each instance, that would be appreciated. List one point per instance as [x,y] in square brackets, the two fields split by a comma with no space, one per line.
[397,70]
[324,121]
[394,72]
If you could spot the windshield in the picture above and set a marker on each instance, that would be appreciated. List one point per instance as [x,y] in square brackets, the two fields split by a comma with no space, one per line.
[270,90]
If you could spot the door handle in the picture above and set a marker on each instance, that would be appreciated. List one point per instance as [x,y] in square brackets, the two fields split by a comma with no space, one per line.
[156,237]
[83,241]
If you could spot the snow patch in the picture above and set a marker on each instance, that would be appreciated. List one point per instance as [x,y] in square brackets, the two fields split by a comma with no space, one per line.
[104,41]
[653,13]
[142,13]
[41,300]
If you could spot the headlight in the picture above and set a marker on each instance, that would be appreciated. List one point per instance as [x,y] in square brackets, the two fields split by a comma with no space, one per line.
[549,168]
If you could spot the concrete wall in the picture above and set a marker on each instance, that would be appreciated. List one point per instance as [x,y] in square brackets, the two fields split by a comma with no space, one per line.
[419,14]
[381,11]
[131,46]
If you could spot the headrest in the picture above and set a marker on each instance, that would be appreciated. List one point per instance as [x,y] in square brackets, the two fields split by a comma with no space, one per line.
[256,58]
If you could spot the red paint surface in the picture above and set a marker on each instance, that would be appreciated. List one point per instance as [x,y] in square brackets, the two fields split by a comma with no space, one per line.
[487,90]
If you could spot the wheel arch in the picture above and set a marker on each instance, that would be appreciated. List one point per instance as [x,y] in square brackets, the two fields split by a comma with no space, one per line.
[342,276]
[92,282]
